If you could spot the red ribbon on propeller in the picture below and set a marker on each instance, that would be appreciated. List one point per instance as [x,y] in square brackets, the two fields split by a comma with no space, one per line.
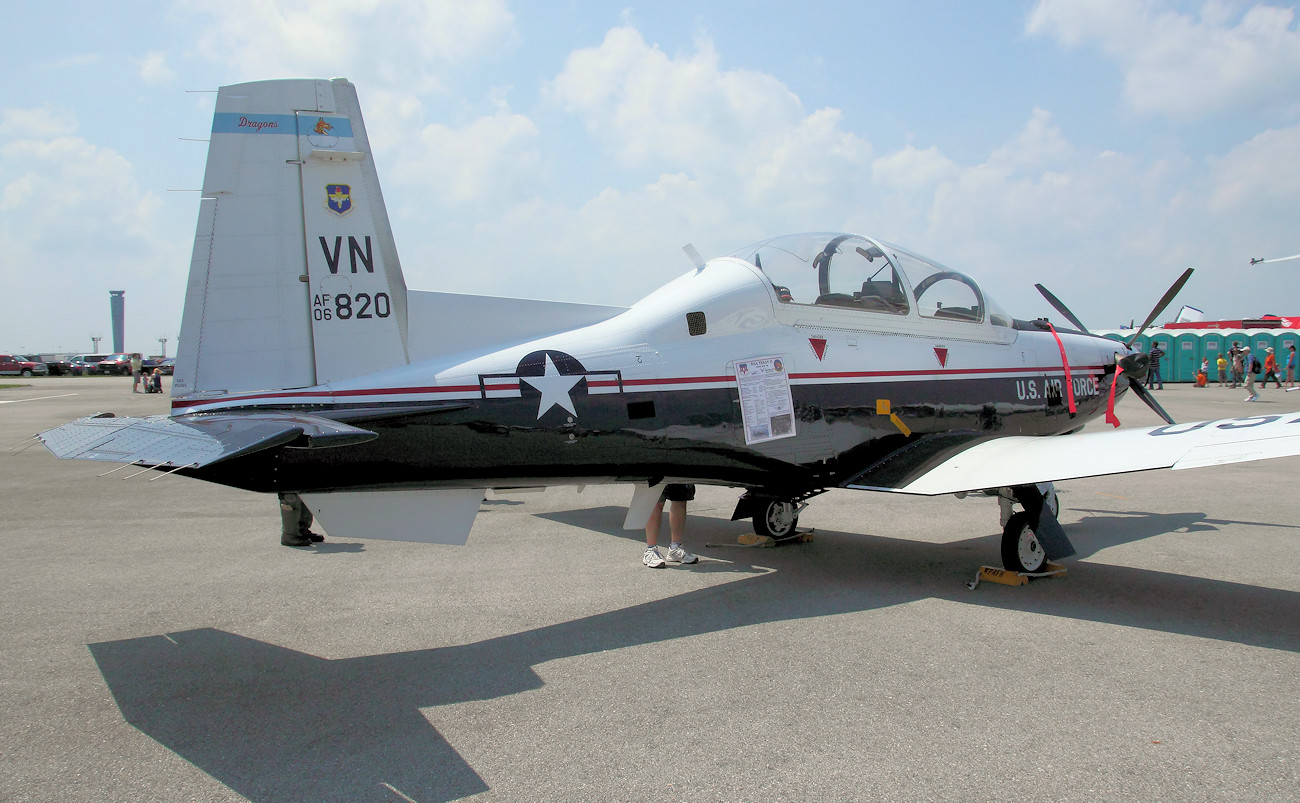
[1111,418]
[1065,361]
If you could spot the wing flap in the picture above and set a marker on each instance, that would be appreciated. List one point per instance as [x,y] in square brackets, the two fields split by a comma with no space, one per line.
[1023,460]
[426,516]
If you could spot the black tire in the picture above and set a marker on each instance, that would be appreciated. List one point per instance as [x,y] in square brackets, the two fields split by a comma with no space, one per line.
[26,372]
[776,519]
[1021,551]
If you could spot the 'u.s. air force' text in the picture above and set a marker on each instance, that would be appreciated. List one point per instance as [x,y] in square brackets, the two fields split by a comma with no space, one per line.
[1029,389]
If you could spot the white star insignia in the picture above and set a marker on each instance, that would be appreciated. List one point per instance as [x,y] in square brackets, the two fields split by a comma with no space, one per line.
[555,388]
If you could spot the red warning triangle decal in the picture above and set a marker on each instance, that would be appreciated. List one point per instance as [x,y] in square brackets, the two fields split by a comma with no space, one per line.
[818,346]
[941,354]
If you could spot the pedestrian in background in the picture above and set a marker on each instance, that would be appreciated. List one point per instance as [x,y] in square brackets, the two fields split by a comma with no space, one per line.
[1270,368]
[1153,373]
[136,364]
[1250,365]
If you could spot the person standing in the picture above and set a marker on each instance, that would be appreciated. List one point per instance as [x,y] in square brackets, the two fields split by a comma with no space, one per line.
[1248,363]
[1290,366]
[1222,364]
[1153,373]
[678,495]
[1237,365]
[295,522]
[1270,369]
[136,364]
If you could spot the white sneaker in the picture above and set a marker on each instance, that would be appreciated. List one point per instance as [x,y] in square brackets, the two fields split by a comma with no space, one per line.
[679,555]
[652,559]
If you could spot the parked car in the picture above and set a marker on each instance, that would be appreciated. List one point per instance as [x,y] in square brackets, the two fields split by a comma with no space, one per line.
[116,364]
[168,366]
[18,365]
[59,366]
[84,364]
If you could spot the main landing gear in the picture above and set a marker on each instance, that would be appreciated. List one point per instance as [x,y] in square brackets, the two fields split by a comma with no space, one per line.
[773,516]
[1031,537]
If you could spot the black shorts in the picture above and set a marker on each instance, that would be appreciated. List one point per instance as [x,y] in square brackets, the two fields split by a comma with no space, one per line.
[674,492]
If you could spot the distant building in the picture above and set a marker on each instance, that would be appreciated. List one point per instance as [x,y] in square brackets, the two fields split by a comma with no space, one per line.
[117,308]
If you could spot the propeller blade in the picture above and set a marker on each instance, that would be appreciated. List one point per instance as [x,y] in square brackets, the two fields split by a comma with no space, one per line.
[1061,308]
[1164,302]
[1145,395]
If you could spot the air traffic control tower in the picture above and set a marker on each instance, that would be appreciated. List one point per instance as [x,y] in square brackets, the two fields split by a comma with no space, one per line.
[117,306]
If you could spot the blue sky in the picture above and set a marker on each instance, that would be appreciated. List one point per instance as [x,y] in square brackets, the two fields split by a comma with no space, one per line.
[569,149]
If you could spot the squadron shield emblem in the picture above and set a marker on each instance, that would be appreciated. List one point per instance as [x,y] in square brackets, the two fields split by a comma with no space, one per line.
[338,198]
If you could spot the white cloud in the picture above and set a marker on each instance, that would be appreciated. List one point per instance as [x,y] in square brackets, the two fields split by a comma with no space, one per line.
[153,68]
[1257,177]
[491,158]
[73,214]
[33,124]
[382,43]
[1183,65]
[677,112]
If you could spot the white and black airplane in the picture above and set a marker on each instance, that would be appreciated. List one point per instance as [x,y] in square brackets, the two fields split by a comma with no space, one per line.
[787,368]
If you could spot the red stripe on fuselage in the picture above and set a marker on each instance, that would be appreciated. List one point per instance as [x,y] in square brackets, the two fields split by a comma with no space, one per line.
[679,380]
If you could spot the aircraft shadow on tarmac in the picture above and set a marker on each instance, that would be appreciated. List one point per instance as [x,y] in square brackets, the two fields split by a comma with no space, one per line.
[272,723]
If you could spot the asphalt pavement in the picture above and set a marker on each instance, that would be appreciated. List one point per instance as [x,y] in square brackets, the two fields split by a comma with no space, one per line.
[159,643]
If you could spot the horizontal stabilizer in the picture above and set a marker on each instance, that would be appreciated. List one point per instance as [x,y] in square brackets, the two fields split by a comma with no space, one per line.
[194,441]
[430,517]
[1012,461]
[452,323]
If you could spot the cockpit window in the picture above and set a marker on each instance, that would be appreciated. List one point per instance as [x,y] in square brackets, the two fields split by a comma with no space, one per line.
[835,270]
[941,293]
[855,272]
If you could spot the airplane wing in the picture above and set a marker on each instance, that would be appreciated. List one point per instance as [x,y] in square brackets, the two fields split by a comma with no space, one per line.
[1017,460]
[193,441]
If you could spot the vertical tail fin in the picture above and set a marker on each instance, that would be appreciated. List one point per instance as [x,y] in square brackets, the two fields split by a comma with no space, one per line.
[294,279]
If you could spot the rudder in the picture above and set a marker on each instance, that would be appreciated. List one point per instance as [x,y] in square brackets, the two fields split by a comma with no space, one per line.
[294,279]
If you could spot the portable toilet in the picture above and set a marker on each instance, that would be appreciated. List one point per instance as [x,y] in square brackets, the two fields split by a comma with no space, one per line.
[1211,346]
[1165,340]
[1285,340]
[1260,341]
[1187,356]
[1237,337]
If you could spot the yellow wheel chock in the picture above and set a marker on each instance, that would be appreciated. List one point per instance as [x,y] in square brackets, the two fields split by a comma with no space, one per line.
[1007,577]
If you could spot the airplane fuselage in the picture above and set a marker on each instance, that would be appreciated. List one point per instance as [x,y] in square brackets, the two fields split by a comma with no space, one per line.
[662,391]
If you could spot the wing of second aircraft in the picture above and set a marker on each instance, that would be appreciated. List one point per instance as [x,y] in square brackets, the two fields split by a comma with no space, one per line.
[1016,460]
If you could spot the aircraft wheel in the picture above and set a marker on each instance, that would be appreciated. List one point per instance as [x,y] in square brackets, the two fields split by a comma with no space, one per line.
[1021,551]
[776,519]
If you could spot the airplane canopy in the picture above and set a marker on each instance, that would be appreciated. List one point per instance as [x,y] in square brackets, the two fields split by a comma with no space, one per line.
[856,272]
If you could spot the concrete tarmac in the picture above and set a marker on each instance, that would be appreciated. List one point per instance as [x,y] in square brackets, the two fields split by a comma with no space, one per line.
[159,643]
